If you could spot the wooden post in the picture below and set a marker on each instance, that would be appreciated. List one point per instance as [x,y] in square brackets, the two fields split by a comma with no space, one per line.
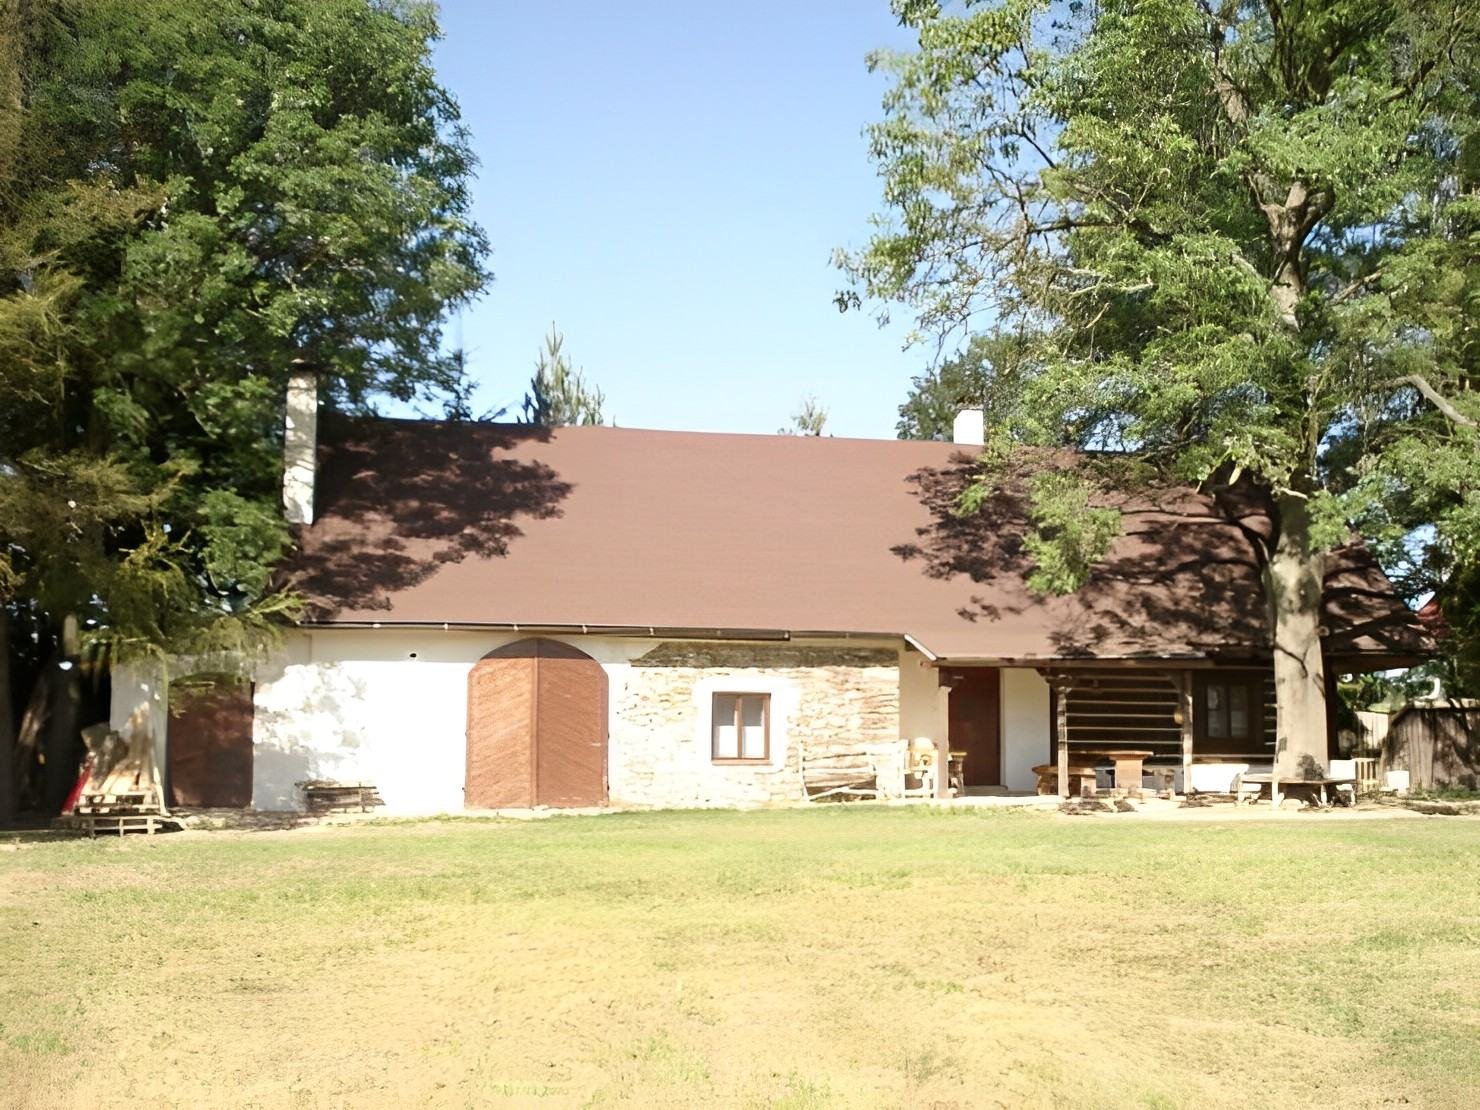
[7,725]
[1061,712]
[1185,689]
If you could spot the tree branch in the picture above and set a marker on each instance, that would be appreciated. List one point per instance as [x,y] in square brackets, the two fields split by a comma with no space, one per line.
[1438,400]
[1355,287]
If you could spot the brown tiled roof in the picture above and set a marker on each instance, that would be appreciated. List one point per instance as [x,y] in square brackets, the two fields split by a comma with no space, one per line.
[486,524]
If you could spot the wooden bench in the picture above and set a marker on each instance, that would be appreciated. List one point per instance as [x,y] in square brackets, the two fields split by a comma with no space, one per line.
[337,797]
[840,773]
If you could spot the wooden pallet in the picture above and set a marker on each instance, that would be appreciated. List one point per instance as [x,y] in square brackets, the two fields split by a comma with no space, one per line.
[147,823]
[341,798]
[132,811]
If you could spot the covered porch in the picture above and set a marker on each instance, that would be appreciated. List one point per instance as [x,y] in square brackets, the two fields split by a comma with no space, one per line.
[1163,727]
[1171,730]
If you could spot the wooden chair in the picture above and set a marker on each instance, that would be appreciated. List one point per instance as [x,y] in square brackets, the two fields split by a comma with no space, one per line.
[922,761]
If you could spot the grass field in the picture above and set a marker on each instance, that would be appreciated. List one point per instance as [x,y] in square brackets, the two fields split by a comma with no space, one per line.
[840,956]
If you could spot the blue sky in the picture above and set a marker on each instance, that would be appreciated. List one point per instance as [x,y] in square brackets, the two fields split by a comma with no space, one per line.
[666,182]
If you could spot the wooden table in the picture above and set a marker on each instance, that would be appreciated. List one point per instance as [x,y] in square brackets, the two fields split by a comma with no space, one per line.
[1129,764]
[1319,786]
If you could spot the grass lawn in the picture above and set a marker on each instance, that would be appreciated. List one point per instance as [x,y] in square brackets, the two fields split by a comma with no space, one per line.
[838,956]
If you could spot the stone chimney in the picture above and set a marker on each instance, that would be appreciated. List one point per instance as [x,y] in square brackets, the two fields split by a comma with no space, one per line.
[300,443]
[970,428]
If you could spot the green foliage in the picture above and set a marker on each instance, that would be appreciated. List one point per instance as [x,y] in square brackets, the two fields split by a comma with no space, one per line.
[937,395]
[808,420]
[1070,534]
[558,393]
[982,376]
[1458,665]
[1237,238]
[1385,693]
[193,194]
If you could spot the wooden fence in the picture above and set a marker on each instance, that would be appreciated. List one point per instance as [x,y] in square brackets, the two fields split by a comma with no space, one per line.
[1438,746]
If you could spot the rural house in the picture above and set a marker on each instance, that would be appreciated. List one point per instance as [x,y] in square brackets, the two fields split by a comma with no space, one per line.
[507,616]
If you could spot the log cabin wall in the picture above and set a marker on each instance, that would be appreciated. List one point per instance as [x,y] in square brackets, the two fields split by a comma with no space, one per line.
[1165,712]
[1134,709]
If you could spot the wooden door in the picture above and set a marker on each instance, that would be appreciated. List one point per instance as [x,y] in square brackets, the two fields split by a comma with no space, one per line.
[570,740]
[975,724]
[209,744]
[501,724]
[536,728]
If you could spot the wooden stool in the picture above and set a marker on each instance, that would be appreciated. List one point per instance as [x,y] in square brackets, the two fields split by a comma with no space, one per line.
[956,774]
[1081,779]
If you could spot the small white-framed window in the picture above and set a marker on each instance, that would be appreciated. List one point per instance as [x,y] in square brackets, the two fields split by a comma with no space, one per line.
[740,728]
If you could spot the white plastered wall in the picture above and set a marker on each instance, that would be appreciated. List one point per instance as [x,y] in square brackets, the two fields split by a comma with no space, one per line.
[137,704]
[924,711]
[1025,726]
[389,707]
[923,704]
[386,706]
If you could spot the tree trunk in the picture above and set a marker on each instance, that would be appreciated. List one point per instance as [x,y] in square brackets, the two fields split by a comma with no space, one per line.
[63,740]
[1294,582]
[7,724]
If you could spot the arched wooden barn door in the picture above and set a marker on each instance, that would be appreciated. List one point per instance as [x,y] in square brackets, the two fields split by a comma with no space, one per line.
[209,742]
[536,728]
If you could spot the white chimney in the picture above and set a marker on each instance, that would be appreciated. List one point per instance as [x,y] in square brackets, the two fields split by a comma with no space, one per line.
[970,428]
[300,444]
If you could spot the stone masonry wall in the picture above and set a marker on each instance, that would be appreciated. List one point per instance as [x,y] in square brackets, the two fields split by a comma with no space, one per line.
[821,697]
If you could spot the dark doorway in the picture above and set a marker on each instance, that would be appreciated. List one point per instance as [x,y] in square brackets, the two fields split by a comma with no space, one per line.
[536,728]
[209,745]
[975,724]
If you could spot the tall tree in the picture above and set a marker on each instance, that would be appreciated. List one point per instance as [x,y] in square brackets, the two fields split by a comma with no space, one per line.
[808,420]
[980,376]
[1216,220]
[558,393]
[193,195]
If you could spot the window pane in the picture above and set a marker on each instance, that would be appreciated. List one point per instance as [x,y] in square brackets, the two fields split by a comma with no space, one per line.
[753,727]
[1238,711]
[1217,711]
[726,742]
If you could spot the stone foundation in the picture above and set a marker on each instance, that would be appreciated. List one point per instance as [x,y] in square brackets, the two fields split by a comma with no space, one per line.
[821,697]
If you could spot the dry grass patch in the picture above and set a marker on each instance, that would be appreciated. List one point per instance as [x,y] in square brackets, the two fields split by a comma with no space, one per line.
[842,956]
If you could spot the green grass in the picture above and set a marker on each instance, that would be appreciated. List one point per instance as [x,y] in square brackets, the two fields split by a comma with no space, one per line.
[838,956]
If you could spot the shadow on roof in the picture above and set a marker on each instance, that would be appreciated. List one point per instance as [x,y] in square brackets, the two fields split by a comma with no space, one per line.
[1179,578]
[409,497]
